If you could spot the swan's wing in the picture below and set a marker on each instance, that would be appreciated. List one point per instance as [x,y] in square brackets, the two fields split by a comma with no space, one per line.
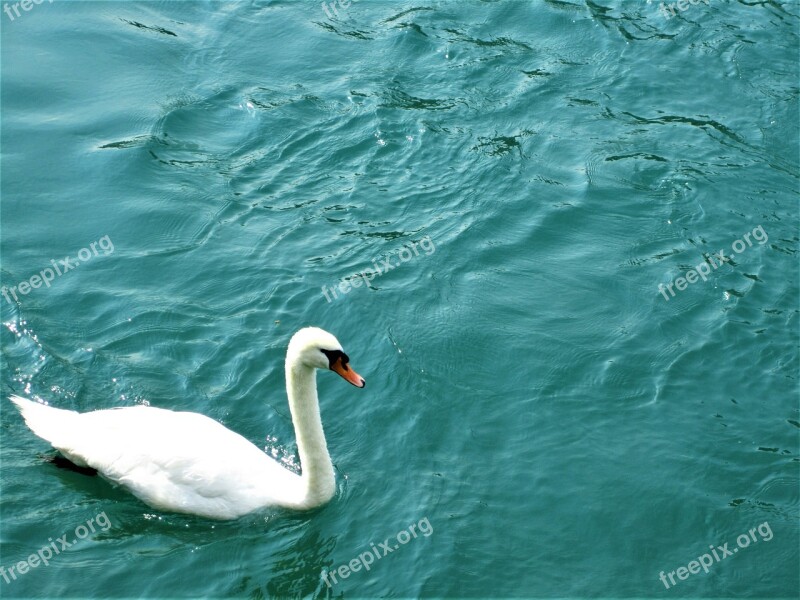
[177,461]
[186,462]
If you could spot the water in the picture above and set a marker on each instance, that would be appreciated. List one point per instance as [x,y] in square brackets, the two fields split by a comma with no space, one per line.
[565,428]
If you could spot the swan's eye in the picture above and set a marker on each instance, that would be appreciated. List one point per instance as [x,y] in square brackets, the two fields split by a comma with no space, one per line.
[335,355]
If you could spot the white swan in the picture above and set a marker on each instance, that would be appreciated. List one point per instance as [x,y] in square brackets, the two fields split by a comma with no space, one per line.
[186,462]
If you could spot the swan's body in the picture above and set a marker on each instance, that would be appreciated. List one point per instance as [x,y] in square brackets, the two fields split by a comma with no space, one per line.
[187,462]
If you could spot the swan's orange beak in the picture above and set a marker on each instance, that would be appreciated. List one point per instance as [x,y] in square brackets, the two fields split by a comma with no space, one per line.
[347,373]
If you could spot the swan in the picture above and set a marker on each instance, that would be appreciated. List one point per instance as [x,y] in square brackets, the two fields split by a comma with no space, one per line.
[189,463]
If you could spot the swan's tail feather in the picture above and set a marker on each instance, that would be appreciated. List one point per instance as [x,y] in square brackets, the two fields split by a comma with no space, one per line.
[49,423]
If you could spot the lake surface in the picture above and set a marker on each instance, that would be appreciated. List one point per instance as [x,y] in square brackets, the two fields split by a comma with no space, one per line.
[582,366]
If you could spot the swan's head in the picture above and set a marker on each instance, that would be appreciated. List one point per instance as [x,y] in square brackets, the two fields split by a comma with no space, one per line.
[318,349]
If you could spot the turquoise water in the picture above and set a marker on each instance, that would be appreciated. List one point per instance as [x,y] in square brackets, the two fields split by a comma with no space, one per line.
[564,428]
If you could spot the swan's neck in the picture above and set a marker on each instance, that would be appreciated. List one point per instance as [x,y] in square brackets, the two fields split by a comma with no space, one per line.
[318,480]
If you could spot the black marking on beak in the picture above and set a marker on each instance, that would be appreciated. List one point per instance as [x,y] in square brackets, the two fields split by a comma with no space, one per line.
[334,355]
